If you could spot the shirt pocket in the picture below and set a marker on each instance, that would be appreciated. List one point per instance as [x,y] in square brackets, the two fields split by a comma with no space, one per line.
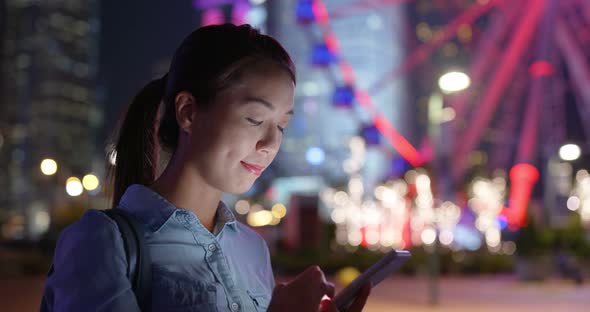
[176,292]
[260,299]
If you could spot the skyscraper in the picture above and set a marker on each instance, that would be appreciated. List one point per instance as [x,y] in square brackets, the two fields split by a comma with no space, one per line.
[48,103]
[371,41]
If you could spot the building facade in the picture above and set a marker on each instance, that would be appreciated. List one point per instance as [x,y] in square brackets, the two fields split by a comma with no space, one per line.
[48,103]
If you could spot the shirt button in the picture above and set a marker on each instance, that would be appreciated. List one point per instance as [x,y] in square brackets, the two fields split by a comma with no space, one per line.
[235,306]
[212,247]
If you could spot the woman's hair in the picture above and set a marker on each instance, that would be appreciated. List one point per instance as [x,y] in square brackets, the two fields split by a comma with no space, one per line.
[208,61]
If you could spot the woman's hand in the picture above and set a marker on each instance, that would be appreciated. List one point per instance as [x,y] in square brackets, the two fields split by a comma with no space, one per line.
[327,305]
[305,293]
[302,294]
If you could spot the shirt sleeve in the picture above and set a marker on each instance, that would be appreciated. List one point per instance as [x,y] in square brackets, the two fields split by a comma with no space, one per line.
[90,269]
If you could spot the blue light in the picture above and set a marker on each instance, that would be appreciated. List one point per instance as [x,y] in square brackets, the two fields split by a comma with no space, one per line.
[315,156]
[502,222]
[371,135]
[466,237]
[343,97]
[321,55]
[304,12]
[398,167]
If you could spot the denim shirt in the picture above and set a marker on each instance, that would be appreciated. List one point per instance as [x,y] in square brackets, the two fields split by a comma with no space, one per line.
[193,269]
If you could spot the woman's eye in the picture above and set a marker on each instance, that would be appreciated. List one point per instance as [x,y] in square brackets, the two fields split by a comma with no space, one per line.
[281,129]
[254,122]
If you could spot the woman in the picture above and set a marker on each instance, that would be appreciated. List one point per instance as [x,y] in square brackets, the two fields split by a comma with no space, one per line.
[226,99]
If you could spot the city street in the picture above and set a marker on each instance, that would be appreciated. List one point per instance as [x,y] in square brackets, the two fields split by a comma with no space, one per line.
[493,293]
[337,131]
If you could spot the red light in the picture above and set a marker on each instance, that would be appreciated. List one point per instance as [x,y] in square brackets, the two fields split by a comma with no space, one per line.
[212,16]
[320,12]
[364,242]
[541,69]
[522,179]
[524,172]
[347,73]
[404,148]
[332,42]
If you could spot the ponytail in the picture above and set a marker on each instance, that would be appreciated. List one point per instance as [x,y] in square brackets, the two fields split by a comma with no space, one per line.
[137,142]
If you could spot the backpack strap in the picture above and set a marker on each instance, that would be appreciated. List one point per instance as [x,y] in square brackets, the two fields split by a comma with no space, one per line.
[139,266]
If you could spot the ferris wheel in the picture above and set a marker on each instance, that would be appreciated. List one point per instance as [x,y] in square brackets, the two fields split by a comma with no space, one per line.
[526,60]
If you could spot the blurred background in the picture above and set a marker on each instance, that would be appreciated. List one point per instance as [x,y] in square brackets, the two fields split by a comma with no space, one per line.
[456,129]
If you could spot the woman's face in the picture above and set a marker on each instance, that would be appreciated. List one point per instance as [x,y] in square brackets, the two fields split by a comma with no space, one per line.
[240,135]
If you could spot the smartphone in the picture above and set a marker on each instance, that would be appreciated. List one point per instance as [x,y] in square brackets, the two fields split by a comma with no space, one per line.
[374,274]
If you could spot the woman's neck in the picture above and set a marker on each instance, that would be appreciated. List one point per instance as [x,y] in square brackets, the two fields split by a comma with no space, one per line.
[187,190]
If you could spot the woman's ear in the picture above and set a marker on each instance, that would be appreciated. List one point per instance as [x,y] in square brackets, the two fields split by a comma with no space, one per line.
[185,106]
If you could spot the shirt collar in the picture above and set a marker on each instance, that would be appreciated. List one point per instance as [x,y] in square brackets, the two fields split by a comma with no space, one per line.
[223,217]
[154,210]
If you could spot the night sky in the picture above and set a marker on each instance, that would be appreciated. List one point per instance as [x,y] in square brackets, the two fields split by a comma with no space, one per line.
[134,36]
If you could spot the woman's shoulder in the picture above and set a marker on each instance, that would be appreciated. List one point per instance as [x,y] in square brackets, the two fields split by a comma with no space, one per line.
[89,267]
[94,230]
[251,237]
[92,223]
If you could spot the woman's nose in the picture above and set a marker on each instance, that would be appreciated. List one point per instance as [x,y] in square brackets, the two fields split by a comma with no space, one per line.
[271,141]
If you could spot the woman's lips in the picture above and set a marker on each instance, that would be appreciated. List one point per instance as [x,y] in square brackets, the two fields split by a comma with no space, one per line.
[257,170]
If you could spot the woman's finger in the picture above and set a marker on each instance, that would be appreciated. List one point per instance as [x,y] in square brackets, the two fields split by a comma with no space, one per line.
[329,289]
[327,305]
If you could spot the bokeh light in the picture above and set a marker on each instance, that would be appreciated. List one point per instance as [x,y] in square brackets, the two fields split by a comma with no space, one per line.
[242,206]
[454,82]
[74,187]
[48,166]
[90,182]
[279,211]
[570,152]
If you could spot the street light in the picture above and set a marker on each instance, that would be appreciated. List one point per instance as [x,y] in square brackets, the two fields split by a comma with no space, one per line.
[74,187]
[90,182]
[453,81]
[48,166]
[570,152]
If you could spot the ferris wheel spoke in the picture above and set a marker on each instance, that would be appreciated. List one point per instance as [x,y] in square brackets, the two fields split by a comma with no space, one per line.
[500,81]
[421,53]
[383,125]
[578,68]
[539,85]
[505,140]
[486,54]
